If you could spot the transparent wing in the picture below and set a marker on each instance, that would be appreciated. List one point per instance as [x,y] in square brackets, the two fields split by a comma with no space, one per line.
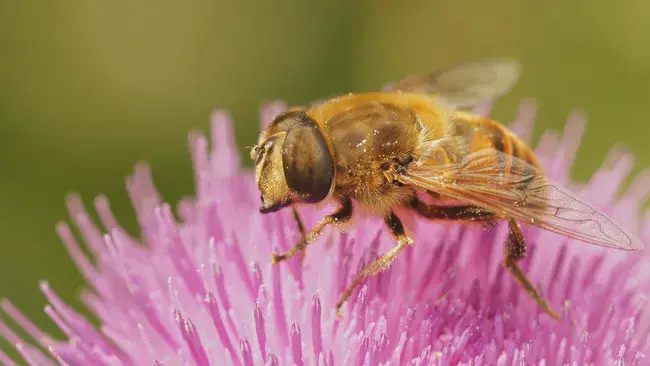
[510,187]
[466,84]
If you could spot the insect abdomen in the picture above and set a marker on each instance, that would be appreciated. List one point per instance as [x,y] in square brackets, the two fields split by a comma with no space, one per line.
[483,133]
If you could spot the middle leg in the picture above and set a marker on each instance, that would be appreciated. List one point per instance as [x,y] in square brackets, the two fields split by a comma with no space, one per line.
[382,263]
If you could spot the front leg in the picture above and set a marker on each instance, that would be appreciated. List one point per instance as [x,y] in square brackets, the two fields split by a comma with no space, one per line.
[301,228]
[341,216]
[298,219]
[382,263]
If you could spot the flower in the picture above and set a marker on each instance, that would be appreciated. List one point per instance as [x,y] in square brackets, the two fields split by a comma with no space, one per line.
[202,290]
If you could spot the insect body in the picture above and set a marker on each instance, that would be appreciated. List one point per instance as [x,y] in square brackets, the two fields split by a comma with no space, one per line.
[383,148]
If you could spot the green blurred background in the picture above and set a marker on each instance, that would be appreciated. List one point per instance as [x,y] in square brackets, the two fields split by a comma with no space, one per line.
[87,88]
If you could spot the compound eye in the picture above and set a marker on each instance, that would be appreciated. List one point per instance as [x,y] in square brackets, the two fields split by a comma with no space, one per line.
[307,162]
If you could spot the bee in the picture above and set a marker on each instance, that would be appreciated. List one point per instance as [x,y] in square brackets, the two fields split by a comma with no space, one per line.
[384,150]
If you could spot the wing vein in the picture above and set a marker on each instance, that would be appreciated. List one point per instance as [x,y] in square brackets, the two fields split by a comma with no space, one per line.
[523,193]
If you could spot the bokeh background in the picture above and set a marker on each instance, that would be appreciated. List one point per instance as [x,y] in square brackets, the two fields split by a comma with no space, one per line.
[88,88]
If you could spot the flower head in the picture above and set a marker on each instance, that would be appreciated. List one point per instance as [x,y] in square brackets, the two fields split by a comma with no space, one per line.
[200,289]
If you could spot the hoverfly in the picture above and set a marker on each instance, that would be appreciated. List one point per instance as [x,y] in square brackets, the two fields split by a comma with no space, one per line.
[382,149]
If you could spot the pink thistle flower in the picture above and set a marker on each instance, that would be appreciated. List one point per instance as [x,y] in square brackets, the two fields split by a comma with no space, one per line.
[200,289]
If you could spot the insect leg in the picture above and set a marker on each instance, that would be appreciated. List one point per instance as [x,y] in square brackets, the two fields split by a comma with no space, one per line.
[299,222]
[301,228]
[515,251]
[464,213]
[339,217]
[382,263]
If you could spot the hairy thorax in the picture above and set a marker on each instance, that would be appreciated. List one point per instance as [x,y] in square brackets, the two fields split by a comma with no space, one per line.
[379,138]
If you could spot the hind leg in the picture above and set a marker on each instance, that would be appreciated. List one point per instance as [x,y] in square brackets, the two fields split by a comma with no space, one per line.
[515,245]
[515,251]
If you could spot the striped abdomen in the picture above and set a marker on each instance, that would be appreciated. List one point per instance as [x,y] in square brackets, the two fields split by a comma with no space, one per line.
[482,133]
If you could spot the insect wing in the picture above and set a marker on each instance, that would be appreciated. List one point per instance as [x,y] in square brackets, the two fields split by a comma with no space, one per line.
[511,187]
[466,84]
